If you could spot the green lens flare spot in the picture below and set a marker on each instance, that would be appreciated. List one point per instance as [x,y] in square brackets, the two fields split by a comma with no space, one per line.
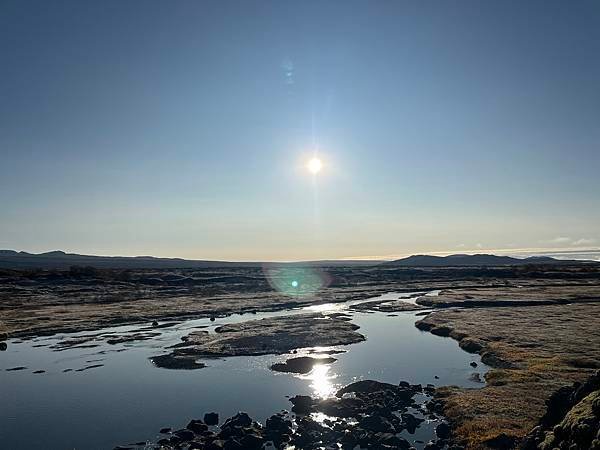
[296,281]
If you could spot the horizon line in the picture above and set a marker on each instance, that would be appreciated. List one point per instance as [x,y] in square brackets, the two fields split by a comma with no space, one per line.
[389,257]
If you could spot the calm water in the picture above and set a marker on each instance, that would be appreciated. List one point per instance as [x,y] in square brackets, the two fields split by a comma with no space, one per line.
[129,400]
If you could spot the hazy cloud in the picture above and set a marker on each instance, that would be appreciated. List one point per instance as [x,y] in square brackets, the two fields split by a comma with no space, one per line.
[563,240]
[584,241]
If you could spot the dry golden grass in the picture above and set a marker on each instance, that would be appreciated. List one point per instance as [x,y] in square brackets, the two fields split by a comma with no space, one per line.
[544,348]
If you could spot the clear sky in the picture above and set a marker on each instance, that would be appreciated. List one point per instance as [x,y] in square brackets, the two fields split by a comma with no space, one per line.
[182,128]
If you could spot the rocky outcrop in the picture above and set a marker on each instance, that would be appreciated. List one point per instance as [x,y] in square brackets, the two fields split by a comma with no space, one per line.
[302,364]
[275,335]
[367,414]
[572,420]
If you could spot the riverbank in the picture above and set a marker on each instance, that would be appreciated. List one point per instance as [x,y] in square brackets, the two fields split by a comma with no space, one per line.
[533,350]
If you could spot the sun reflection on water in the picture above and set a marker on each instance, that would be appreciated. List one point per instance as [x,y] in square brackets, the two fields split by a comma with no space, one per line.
[321,383]
[325,307]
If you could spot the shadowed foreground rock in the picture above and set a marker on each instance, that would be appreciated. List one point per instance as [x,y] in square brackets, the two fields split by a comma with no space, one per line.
[368,414]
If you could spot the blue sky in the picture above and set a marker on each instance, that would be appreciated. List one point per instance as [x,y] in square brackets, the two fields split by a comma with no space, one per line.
[183,128]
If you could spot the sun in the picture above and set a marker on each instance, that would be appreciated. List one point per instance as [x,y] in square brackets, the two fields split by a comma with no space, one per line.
[314,166]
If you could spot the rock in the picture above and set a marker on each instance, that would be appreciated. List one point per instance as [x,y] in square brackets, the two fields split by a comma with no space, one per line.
[344,407]
[275,335]
[3,346]
[470,345]
[197,426]
[443,430]
[392,441]
[376,423]
[302,364]
[276,424]
[39,371]
[165,430]
[411,422]
[174,362]
[370,386]
[3,336]
[302,404]
[476,377]
[232,444]
[251,441]
[184,434]
[473,364]
[155,323]
[217,444]
[441,331]
[436,377]
[211,418]
[241,419]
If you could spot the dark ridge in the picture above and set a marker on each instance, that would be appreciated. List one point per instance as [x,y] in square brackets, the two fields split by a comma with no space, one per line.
[478,261]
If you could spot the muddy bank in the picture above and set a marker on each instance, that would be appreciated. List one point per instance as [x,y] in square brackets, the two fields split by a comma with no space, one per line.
[275,335]
[534,351]
[367,413]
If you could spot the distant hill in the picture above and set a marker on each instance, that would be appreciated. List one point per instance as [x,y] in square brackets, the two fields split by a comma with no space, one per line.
[476,260]
[10,259]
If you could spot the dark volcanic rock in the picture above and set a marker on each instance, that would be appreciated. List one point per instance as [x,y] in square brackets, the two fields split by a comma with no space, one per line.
[184,434]
[443,430]
[241,419]
[174,362]
[197,426]
[379,411]
[211,418]
[376,423]
[302,364]
[302,404]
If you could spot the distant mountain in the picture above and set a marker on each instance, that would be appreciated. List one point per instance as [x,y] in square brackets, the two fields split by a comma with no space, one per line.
[476,260]
[10,259]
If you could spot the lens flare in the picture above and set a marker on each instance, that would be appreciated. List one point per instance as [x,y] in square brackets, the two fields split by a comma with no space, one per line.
[296,281]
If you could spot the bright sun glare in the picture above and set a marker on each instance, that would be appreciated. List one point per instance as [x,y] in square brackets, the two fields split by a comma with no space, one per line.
[314,165]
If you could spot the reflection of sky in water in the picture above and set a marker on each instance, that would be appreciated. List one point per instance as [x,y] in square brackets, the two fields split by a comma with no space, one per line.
[128,400]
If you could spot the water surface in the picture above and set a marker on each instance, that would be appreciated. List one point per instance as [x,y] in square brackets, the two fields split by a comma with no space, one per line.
[129,400]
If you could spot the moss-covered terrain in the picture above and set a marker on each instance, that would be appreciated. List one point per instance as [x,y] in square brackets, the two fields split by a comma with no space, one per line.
[533,352]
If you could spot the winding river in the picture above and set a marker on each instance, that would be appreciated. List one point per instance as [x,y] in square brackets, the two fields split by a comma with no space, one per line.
[126,399]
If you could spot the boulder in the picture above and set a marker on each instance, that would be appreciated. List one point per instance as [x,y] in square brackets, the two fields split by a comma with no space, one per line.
[184,435]
[197,426]
[211,418]
[442,430]
[302,404]
[376,424]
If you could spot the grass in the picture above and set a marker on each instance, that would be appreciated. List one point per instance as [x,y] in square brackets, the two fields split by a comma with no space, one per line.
[546,347]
